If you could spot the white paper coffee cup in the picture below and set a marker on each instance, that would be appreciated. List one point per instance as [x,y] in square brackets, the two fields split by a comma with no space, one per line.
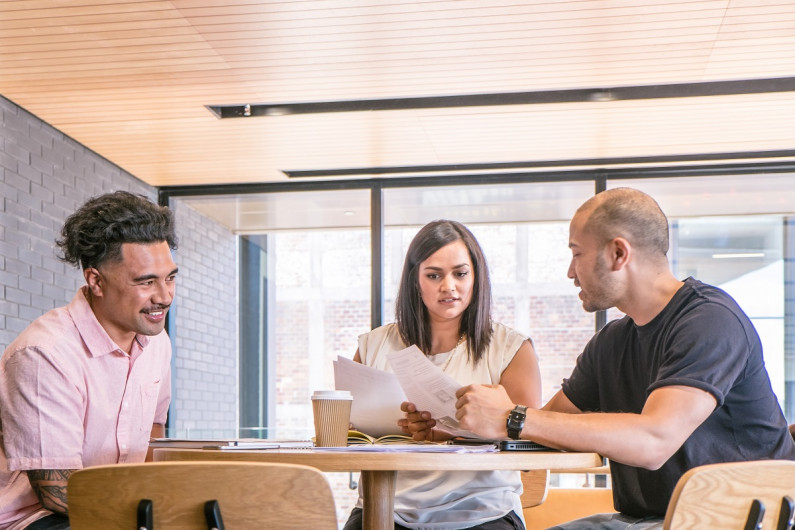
[332,413]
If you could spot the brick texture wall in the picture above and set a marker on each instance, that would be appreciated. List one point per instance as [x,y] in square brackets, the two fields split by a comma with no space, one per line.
[44,177]
[204,401]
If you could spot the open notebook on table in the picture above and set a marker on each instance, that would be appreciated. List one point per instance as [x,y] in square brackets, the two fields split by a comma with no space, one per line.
[360,438]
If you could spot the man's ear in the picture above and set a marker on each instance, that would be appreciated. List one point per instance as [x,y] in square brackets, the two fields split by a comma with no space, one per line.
[93,280]
[620,252]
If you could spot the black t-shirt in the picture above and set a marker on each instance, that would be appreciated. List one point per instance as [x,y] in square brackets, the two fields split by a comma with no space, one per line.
[701,339]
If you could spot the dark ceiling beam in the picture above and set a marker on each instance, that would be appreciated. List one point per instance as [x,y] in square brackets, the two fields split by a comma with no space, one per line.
[598,94]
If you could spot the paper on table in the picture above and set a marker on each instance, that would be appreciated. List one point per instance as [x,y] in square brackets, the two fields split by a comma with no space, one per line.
[228,444]
[412,448]
[195,443]
[428,388]
[377,396]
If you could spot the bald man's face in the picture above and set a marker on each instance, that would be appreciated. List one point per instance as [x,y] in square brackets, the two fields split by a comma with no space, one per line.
[590,267]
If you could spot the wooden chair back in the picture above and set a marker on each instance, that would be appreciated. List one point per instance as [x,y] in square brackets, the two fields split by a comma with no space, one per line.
[721,495]
[534,487]
[249,495]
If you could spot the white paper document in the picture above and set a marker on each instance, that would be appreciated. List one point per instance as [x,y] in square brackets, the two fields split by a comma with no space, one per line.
[428,388]
[263,444]
[412,448]
[229,444]
[377,396]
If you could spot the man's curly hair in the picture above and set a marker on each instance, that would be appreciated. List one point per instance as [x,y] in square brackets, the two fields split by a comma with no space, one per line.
[95,233]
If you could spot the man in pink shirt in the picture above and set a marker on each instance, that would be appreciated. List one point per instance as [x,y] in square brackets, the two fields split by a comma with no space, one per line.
[89,383]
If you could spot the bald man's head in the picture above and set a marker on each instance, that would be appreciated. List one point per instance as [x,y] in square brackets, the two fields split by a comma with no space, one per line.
[627,213]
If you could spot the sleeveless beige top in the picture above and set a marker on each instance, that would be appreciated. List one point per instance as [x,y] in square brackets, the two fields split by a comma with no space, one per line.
[436,500]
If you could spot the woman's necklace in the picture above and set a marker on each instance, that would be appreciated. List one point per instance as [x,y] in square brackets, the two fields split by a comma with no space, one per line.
[453,351]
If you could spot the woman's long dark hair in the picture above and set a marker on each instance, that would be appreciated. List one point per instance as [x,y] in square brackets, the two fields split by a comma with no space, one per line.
[411,315]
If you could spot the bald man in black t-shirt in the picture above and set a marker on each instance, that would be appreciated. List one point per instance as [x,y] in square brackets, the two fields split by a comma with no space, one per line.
[678,383]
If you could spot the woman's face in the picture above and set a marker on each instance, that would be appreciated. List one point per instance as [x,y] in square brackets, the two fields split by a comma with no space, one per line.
[446,281]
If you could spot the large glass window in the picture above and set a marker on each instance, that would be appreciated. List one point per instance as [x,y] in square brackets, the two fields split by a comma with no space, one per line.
[303,297]
[305,264]
[313,300]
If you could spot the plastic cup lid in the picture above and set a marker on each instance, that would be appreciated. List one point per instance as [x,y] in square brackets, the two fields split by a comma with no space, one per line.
[332,394]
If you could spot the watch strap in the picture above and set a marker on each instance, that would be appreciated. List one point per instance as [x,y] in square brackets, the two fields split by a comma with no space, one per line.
[515,422]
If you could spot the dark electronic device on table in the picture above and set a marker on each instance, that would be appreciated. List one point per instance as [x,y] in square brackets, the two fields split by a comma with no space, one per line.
[503,445]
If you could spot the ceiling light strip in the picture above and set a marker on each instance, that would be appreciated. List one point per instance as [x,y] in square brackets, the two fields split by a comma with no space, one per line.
[539,164]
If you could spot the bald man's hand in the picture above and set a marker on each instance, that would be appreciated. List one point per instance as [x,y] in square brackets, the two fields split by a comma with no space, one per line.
[484,409]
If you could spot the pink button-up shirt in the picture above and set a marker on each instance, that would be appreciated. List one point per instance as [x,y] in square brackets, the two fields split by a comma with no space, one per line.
[71,398]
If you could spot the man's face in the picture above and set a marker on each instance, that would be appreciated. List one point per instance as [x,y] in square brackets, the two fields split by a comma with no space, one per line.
[590,268]
[132,296]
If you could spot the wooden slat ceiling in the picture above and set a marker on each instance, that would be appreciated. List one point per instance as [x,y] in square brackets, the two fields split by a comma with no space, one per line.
[131,79]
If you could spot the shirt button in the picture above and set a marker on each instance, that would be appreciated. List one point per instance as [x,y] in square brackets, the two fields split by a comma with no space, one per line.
[124,446]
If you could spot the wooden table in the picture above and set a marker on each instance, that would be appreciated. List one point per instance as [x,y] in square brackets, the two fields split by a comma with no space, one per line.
[378,470]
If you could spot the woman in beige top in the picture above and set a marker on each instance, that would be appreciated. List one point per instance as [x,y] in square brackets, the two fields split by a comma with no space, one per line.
[444,308]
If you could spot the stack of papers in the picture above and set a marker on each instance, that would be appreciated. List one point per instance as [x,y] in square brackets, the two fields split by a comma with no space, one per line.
[377,394]
[428,447]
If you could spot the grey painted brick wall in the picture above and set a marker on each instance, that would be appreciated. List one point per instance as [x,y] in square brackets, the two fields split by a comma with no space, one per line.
[45,176]
[205,395]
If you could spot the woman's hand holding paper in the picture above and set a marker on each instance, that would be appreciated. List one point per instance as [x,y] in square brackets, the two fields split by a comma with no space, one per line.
[419,424]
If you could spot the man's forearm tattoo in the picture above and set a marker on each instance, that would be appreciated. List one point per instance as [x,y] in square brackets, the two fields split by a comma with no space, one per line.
[50,487]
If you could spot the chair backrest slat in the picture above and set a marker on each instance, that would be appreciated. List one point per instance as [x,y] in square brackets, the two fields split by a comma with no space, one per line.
[721,495]
[249,494]
[534,487]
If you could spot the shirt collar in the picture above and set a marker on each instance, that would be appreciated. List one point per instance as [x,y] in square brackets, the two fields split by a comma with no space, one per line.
[91,331]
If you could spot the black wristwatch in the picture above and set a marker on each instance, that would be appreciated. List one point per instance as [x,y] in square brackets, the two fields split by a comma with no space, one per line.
[516,421]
